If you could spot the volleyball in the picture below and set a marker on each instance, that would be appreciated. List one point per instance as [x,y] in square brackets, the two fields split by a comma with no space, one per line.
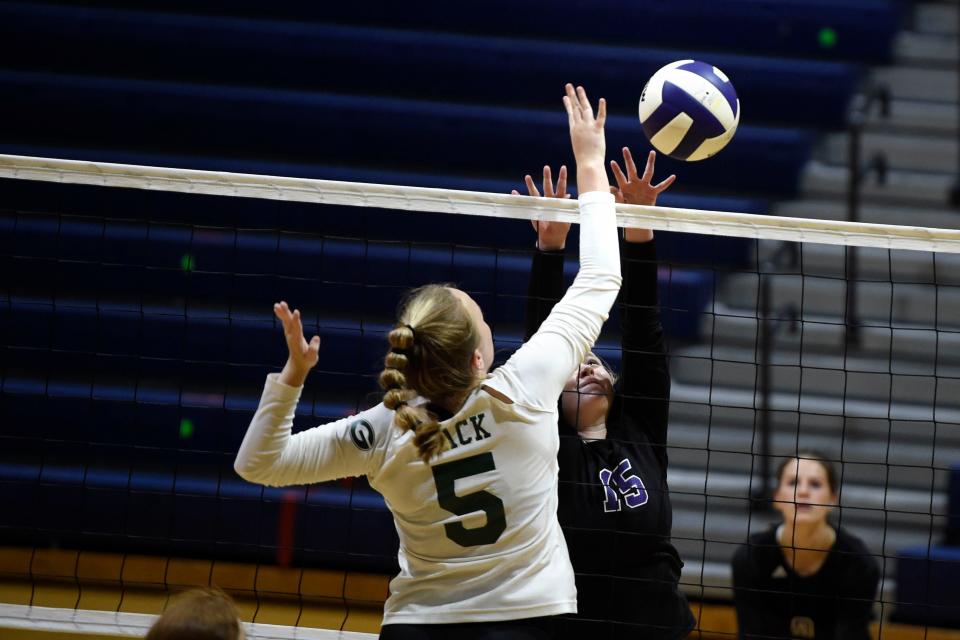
[689,110]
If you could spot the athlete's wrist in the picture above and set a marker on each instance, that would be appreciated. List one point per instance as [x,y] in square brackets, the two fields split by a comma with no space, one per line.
[293,375]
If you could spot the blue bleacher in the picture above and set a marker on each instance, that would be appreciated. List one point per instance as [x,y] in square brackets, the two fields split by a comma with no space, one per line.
[864,29]
[927,586]
[133,314]
[197,506]
[233,270]
[86,111]
[356,59]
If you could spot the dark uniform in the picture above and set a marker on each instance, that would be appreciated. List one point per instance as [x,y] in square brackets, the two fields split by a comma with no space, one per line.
[773,601]
[614,504]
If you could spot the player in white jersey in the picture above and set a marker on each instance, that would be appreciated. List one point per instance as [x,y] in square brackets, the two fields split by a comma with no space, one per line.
[465,459]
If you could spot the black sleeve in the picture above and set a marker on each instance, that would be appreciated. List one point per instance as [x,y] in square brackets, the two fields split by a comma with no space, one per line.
[755,618]
[858,590]
[545,289]
[645,386]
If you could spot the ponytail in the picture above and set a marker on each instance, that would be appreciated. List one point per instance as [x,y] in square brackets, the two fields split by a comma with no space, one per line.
[430,354]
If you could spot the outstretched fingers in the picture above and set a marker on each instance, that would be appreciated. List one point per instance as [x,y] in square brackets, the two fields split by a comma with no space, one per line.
[283,313]
[560,191]
[292,327]
[572,105]
[313,348]
[579,107]
[562,182]
[549,191]
[587,140]
[531,186]
[293,330]
[584,103]
[632,166]
[648,172]
[618,175]
[663,186]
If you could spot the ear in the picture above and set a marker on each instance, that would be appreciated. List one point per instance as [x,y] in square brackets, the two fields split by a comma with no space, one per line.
[477,360]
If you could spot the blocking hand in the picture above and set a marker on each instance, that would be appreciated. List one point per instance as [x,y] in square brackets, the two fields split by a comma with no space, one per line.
[551,236]
[635,189]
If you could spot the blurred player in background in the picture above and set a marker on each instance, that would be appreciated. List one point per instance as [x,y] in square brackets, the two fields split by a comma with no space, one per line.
[805,578]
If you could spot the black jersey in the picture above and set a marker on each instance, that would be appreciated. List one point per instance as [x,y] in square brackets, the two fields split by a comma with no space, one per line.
[614,505]
[773,601]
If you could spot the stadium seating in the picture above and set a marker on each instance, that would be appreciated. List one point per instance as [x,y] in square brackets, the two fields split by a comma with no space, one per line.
[859,30]
[364,60]
[927,587]
[137,329]
[297,125]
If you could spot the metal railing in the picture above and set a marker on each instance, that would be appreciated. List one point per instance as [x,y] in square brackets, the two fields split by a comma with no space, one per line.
[857,172]
[769,323]
[787,256]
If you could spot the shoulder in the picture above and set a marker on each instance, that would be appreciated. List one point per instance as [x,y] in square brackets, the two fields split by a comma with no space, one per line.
[852,552]
[378,416]
[370,429]
[506,390]
[497,395]
[848,542]
[741,556]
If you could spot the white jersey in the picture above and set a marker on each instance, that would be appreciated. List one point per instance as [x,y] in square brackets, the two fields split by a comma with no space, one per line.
[479,537]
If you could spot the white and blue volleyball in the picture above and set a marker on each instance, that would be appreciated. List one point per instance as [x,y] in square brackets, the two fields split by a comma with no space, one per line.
[689,110]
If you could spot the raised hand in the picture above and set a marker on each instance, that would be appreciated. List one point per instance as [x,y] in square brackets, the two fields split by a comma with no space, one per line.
[587,139]
[551,236]
[635,189]
[303,356]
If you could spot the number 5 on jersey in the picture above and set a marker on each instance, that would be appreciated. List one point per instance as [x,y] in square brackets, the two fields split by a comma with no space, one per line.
[445,475]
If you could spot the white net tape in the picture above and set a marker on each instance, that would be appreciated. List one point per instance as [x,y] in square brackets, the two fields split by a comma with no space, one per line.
[136,625]
[331,192]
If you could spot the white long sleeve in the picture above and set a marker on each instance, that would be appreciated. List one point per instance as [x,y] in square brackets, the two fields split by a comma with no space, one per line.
[270,455]
[536,373]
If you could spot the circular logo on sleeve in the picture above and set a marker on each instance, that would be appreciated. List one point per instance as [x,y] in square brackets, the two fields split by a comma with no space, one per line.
[362,435]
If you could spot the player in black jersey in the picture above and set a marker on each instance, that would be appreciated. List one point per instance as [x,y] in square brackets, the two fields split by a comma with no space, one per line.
[805,578]
[614,505]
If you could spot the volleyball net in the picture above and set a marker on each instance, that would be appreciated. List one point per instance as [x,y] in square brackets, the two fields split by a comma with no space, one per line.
[138,329]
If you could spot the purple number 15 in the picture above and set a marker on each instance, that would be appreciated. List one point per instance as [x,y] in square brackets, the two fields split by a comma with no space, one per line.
[629,486]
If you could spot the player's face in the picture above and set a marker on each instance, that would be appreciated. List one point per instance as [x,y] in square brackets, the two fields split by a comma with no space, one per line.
[588,393]
[485,348]
[804,494]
